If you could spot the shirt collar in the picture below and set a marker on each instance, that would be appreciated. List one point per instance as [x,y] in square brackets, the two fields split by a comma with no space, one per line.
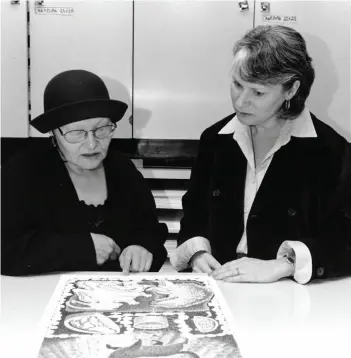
[301,127]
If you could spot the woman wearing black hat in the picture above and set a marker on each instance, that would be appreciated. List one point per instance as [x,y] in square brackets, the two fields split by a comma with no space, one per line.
[76,205]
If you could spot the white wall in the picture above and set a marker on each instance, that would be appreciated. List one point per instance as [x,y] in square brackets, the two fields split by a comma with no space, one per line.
[14,70]
[182,56]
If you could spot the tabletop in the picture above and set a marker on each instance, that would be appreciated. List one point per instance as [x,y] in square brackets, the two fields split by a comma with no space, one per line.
[282,319]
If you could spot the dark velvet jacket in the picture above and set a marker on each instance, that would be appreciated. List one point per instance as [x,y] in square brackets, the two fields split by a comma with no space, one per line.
[304,196]
[43,228]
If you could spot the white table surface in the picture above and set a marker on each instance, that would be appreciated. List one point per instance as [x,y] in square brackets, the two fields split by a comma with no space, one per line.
[278,320]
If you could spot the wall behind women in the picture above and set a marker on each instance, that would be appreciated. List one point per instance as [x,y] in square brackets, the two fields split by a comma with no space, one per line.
[182,65]
[169,60]
[14,70]
[326,27]
[92,35]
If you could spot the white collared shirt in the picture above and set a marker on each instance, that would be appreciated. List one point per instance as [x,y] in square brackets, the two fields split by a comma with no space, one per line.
[301,127]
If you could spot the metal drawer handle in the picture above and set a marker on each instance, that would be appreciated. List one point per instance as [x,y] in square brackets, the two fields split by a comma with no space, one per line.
[244,5]
[265,6]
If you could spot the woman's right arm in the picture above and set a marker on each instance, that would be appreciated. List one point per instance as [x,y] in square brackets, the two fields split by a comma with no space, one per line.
[195,207]
[193,235]
[27,248]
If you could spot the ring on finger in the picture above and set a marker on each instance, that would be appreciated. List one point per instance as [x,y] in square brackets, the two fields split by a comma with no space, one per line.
[237,272]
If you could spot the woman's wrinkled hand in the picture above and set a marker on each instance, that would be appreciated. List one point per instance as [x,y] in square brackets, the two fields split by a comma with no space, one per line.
[105,248]
[249,269]
[135,258]
[204,262]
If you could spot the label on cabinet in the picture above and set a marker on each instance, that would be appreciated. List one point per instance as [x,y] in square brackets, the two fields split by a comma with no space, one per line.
[279,19]
[63,11]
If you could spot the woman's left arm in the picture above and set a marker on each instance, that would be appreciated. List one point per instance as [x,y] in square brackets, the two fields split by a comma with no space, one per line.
[329,252]
[328,249]
[331,247]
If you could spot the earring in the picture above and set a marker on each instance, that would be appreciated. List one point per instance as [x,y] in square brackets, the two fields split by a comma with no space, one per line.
[287,104]
[53,141]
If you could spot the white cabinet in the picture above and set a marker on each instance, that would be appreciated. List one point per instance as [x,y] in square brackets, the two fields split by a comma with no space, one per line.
[90,35]
[182,65]
[183,55]
[169,60]
[325,25]
[14,70]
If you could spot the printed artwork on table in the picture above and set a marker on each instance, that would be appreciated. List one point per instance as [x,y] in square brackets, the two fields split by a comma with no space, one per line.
[138,316]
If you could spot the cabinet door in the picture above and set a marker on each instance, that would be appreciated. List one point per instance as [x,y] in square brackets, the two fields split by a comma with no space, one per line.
[90,35]
[183,55]
[14,70]
[325,25]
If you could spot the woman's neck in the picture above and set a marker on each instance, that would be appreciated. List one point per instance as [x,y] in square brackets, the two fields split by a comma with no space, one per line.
[90,185]
[270,128]
[263,139]
[74,169]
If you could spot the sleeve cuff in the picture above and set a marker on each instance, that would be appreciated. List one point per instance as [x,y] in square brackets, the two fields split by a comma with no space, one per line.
[183,253]
[303,259]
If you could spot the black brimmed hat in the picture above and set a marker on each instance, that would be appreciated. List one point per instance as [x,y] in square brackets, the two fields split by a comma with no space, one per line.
[75,95]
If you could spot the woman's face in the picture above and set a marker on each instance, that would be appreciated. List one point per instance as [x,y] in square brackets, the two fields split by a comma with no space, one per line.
[256,104]
[88,154]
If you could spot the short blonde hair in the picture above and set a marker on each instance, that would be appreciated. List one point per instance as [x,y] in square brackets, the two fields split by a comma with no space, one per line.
[276,55]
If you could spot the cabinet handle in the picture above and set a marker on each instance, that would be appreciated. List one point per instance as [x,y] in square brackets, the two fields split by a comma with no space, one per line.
[243,5]
[265,6]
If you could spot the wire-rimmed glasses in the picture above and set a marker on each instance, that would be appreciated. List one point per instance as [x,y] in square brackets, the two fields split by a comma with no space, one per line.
[79,135]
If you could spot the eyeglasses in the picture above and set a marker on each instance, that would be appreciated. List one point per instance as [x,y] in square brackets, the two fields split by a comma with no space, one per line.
[78,136]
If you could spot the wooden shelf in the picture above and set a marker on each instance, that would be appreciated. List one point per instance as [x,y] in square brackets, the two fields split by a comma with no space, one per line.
[170,246]
[165,173]
[172,220]
[168,199]
[173,225]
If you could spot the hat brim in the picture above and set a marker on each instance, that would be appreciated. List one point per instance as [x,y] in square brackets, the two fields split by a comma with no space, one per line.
[79,111]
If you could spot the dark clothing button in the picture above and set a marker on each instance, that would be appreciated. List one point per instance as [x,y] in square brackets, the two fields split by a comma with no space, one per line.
[292,212]
[216,192]
[320,271]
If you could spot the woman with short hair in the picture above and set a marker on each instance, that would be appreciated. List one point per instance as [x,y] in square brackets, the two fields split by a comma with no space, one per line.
[268,193]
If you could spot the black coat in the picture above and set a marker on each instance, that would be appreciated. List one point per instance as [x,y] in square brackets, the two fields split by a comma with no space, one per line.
[43,228]
[304,196]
